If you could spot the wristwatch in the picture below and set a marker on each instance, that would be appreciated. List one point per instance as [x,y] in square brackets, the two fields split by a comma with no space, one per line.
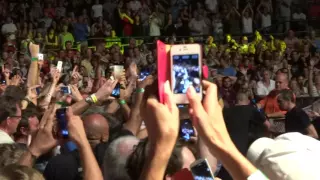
[89,100]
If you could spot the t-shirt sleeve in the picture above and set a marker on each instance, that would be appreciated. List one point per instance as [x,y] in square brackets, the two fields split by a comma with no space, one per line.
[304,119]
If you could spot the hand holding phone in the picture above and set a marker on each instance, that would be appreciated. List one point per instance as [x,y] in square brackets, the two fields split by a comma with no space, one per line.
[61,115]
[186,70]
[65,89]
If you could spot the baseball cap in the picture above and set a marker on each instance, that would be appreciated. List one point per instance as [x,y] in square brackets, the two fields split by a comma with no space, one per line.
[291,156]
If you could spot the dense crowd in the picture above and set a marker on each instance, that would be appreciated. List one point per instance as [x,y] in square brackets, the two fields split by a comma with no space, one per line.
[115,128]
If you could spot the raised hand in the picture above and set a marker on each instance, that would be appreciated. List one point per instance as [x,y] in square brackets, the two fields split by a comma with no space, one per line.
[44,140]
[207,116]
[146,82]
[75,93]
[5,72]
[34,49]
[105,90]
[162,120]
[32,93]
[75,127]
[55,74]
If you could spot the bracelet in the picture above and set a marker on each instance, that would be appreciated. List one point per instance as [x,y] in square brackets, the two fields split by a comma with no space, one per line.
[140,90]
[94,98]
[122,101]
[34,59]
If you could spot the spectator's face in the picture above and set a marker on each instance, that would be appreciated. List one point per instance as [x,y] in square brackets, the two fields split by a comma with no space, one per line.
[14,120]
[266,75]
[33,124]
[227,83]
[293,84]
[284,105]
[281,82]
[291,34]
[68,45]
[65,28]
[5,55]
[300,80]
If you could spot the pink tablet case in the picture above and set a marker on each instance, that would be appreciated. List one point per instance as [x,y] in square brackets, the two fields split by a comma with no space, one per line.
[163,62]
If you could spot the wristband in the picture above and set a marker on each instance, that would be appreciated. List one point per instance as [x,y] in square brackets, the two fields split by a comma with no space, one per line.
[94,98]
[122,101]
[140,90]
[63,104]
[34,59]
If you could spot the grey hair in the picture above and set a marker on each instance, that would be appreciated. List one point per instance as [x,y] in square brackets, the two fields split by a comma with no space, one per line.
[115,159]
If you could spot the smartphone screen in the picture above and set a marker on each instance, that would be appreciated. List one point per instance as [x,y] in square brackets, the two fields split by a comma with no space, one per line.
[116,91]
[201,171]
[186,72]
[65,90]
[38,90]
[117,70]
[40,57]
[61,115]
[143,75]
[186,130]
[59,66]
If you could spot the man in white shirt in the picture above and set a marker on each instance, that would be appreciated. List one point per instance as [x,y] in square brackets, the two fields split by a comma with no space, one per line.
[97,10]
[155,23]
[10,116]
[265,86]
[9,29]
[197,25]
[285,13]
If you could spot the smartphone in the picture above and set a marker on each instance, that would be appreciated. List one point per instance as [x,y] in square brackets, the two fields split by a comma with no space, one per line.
[186,70]
[143,75]
[116,91]
[200,169]
[59,66]
[186,130]
[3,82]
[40,57]
[65,90]
[117,70]
[61,115]
[38,90]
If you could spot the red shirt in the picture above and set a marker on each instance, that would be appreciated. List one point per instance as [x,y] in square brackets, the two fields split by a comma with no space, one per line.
[127,27]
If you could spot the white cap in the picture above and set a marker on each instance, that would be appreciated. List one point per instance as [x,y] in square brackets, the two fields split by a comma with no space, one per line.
[291,156]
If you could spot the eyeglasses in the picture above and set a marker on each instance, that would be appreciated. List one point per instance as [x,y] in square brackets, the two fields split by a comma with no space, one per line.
[17,117]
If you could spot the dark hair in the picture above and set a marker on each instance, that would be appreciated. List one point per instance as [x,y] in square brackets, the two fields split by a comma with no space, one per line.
[8,107]
[137,159]
[286,95]
[14,171]
[10,154]
[15,92]
[31,111]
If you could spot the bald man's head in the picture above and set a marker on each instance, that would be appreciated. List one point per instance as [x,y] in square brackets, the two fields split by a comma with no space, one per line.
[242,98]
[282,81]
[97,129]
